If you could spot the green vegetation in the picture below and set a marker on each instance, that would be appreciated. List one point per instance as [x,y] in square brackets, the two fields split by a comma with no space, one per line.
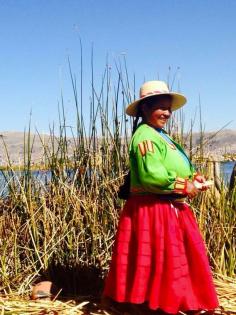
[63,229]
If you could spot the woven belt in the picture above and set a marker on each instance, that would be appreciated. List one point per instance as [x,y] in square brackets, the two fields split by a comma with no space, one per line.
[167,197]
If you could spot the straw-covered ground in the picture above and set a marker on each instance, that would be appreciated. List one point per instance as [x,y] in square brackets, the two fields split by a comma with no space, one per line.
[226,288]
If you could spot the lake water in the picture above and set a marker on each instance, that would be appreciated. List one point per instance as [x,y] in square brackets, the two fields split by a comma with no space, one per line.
[226,169]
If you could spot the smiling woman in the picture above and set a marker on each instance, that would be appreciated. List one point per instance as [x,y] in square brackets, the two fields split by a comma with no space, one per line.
[159,259]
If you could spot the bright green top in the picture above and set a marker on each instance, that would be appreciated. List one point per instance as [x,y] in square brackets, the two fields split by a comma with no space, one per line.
[157,165]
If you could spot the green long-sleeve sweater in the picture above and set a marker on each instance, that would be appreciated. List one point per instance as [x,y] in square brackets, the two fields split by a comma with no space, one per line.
[156,165]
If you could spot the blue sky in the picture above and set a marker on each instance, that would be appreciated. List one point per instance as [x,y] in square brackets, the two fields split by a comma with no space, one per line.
[37,37]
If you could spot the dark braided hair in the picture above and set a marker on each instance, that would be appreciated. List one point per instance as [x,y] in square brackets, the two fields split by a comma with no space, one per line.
[124,189]
[135,123]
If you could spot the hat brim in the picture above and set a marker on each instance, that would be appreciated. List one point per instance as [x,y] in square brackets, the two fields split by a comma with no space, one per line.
[178,100]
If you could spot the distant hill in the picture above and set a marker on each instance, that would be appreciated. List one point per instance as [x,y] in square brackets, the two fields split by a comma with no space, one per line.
[15,146]
[223,142]
[217,144]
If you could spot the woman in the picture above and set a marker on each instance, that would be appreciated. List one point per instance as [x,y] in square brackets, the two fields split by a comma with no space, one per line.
[159,257]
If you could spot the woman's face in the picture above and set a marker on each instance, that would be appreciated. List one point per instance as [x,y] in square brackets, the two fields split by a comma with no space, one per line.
[158,114]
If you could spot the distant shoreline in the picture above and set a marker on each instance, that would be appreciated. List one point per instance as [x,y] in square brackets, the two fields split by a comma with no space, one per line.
[40,167]
[14,146]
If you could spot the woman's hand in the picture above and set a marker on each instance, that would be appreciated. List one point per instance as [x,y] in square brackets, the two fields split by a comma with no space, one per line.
[191,190]
[200,178]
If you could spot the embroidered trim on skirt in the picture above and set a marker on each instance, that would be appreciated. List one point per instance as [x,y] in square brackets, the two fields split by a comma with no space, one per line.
[159,257]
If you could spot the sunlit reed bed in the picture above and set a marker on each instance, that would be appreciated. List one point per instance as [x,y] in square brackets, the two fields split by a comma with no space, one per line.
[63,230]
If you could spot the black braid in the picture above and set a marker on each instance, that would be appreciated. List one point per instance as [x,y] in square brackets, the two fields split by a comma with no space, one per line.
[124,190]
[135,124]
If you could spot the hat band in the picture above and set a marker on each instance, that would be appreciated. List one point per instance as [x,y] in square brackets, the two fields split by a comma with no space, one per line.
[153,92]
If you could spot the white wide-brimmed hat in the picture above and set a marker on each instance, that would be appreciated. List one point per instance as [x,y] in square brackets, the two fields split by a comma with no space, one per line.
[152,88]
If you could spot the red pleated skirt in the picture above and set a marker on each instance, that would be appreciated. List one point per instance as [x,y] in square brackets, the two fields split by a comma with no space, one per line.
[159,257]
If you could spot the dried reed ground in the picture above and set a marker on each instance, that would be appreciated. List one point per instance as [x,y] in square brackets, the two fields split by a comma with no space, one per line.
[226,288]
